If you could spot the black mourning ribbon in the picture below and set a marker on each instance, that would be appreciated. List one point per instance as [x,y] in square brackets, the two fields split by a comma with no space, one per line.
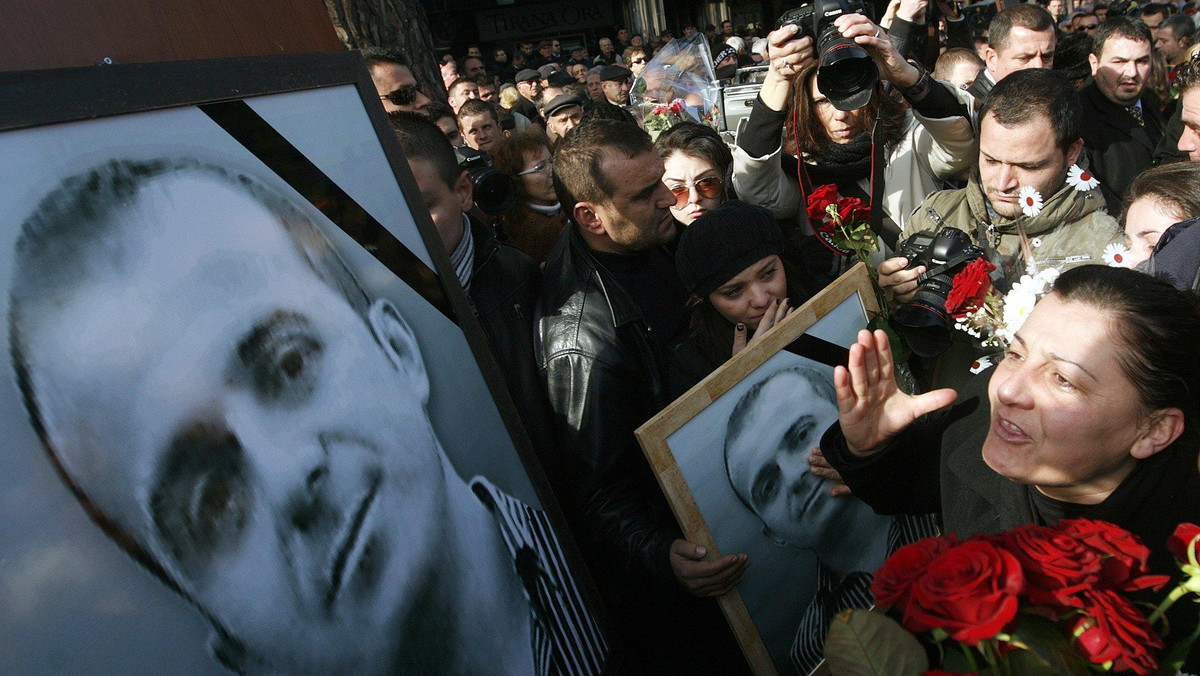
[819,350]
[263,141]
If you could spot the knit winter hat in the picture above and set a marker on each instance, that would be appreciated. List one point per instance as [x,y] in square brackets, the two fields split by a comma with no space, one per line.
[723,242]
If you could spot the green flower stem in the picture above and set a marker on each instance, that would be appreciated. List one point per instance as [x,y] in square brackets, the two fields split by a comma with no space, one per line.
[970,657]
[1176,594]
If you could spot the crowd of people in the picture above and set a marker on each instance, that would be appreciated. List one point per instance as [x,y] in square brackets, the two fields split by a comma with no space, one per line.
[630,269]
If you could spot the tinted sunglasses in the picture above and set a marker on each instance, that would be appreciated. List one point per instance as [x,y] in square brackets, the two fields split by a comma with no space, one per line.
[402,96]
[707,187]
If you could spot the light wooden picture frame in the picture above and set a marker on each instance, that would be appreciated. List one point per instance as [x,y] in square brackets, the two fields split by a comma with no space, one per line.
[686,447]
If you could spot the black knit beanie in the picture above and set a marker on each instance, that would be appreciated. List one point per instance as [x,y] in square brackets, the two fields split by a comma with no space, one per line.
[723,242]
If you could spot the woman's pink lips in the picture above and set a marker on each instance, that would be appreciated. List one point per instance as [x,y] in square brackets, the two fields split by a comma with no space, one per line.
[1009,432]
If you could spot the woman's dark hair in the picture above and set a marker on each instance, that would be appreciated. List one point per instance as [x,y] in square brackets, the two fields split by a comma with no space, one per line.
[696,140]
[713,333]
[811,133]
[1177,184]
[1158,327]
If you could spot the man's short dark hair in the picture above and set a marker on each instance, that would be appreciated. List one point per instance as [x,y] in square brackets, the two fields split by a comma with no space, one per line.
[477,107]
[459,82]
[484,81]
[421,139]
[436,111]
[465,59]
[1119,27]
[578,156]
[1181,26]
[1030,17]
[375,56]
[1027,94]
[1152,9]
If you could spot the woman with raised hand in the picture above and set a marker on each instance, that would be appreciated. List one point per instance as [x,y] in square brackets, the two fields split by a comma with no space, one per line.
[1092,413]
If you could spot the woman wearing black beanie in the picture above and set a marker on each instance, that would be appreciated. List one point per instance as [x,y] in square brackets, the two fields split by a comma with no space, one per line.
[730,260]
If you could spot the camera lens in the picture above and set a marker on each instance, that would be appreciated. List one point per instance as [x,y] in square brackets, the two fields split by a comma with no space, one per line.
[847,74]
[494,191]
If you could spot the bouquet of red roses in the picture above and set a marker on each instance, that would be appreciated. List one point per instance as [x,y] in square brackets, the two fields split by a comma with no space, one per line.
[841,223]
[1032,600]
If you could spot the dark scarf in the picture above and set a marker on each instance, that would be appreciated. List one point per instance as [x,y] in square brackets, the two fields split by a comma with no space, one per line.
[843,164]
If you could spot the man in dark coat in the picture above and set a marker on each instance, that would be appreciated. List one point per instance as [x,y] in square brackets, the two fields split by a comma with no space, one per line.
[611,309]
[1121,127]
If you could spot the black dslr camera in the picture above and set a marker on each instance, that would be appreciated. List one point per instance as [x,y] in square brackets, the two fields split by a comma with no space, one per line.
[495,193]
[846,73]
[924,322]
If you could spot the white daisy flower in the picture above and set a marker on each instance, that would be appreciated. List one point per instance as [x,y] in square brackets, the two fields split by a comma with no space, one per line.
[1081,180]
[1030,200]
[1116,255]
[982,364]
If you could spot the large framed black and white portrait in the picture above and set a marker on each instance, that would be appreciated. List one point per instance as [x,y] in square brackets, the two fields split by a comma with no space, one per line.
[732,456]
[250,422]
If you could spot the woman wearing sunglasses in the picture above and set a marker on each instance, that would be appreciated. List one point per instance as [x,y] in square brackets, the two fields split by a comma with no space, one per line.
[731,260]
[696,169]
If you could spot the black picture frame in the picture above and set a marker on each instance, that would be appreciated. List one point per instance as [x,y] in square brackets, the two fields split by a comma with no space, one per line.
[36,99]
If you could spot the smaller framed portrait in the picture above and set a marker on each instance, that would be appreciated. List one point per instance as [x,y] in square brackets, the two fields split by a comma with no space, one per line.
[732,457]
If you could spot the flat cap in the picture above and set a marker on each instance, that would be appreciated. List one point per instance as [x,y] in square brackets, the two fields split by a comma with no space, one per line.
[614,72]
[560,79]
[548,70]
[528,75]
[562,101]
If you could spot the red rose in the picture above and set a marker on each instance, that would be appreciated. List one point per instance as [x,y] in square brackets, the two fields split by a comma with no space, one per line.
[969,288]
[852,210]
[1056,565]
[818,201]
[1181,539]
[1124,556]
[970,591]
[895,578]
[1116,632]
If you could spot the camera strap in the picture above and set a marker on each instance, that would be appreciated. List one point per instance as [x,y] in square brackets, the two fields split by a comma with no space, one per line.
[890,236]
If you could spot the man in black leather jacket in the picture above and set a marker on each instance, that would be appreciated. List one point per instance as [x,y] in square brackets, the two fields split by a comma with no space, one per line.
[501,281]
[612,305]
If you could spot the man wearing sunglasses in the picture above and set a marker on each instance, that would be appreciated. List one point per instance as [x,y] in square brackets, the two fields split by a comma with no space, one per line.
[394,81]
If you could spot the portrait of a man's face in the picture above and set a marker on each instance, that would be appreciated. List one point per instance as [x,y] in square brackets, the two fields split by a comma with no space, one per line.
[771,432]
[253,410]
[262,440]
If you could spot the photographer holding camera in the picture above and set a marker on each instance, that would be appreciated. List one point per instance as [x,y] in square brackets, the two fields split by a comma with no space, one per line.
[823,100]
[1029,138]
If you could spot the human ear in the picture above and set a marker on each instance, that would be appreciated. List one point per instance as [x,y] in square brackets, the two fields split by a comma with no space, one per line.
[464,190]
[1094,63]
[1074,151]
[990,58]
[400,346]
[586,217]
[1161,430]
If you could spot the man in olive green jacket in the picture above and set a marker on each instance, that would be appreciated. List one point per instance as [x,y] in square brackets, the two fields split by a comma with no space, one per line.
[1027,180]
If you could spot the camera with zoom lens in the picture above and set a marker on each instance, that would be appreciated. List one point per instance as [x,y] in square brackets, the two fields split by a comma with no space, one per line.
[494,191]
[923,321]
[846,73]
